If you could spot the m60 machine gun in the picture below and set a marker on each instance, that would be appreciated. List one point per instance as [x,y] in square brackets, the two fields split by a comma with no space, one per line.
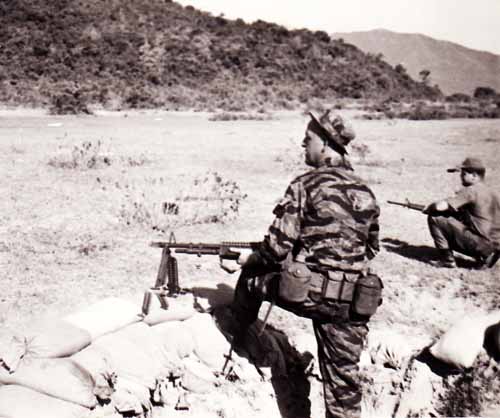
[167,279]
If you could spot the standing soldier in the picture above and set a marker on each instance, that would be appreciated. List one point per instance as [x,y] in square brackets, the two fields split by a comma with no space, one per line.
[315,254]
[468,222]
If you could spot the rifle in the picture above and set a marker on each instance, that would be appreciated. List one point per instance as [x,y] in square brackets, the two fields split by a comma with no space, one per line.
[408,204]
[168,271]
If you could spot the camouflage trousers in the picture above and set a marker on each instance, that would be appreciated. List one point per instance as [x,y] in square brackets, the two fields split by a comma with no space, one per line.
[340,337]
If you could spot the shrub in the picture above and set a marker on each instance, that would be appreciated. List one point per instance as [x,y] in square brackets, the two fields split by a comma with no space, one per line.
[228,116]
[68,102]
[422,111]
[467,393]
[484,93]
[160,204]
[93,155]
[458,97]
[88,154]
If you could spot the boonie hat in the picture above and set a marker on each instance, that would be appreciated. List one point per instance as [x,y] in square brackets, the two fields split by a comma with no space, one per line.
[335,130]
[470,163]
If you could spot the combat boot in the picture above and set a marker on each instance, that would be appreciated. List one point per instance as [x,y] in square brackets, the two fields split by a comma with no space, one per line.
[445,260]
[489,261]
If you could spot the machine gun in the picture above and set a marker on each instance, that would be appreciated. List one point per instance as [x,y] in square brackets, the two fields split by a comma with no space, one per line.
[408,204]
[167,280]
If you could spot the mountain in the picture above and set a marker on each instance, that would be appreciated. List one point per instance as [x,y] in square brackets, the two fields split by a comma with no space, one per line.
[157,53]
[455,68]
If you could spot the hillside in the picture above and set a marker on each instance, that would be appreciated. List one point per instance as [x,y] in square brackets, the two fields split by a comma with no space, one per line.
[456,69]
[152,53]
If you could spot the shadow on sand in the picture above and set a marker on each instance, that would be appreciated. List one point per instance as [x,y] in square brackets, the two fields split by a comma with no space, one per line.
[422,253]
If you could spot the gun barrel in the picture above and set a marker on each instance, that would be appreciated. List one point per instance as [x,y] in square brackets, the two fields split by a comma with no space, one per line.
[187,245]
[392,202]
[203,246]
[239,244]
[407,204]
[197,251]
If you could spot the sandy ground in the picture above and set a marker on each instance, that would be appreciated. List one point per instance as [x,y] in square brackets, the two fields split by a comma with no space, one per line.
[65,243]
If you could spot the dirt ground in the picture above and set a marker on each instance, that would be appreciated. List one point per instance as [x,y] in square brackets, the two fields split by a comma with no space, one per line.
[74,230]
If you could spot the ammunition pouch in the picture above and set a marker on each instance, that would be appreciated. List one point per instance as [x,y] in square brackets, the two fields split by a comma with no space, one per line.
[334,285]
[295,282]
[301,284]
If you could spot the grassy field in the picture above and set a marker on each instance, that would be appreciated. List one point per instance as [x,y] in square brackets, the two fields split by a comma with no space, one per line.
[83,196]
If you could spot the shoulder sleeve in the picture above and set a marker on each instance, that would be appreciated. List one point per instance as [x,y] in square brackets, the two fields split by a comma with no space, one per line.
[285,229]
[462,197]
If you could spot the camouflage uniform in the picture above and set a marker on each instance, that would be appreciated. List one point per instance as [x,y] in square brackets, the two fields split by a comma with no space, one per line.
[329,219]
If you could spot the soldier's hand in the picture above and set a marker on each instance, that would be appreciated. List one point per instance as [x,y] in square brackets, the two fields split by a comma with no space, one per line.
[245,254]
[436,207]
[229,266]
[429,209]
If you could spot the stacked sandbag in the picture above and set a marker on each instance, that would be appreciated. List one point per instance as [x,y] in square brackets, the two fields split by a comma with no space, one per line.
[116,354]
[21,402]
[106,316]
[131,398]
[44,339]
[179,308]
[109,354]
[61,378]
[210,345]
[130,364]
[37,359]
[175,338]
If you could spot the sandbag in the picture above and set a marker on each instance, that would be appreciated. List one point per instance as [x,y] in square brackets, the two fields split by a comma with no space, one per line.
[462,342]
[106,316]
[176,338]
[210,346]
[149,341]
[60,378]
[21,402]
[94,361]
[179,308]
[44,339]
[115,353]
[197,377]
[130,397]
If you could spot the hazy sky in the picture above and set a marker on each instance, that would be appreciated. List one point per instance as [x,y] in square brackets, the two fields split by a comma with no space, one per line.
[471,23]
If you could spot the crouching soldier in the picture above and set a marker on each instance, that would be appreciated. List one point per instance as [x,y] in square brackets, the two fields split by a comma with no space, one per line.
[315,257]
[469,221]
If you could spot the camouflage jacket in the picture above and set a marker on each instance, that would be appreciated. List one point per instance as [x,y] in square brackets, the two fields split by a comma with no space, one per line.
[327,217]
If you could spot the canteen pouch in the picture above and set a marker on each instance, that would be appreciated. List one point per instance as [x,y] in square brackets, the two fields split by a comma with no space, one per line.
[367,294]
[295,282]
